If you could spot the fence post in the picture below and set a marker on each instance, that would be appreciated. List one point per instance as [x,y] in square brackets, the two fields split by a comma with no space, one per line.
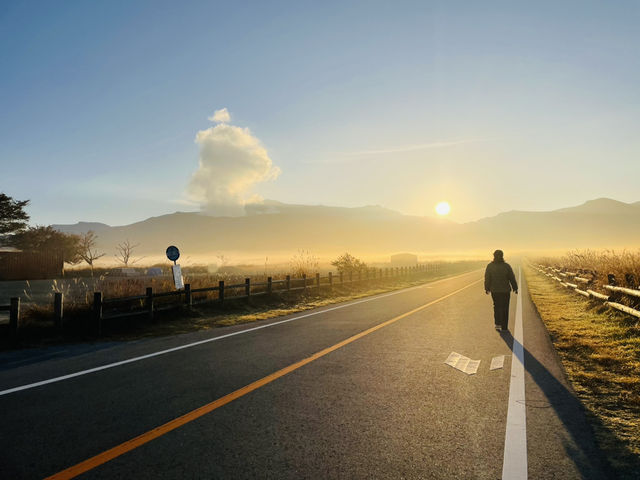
[97,311]
[57,309]
[304,281]
[367,275]
[269,285]
[341,277]
[150,302]
[350,276]
[630,278]
[318,282]
[221,291]
[187,294]
[288,282]
[14,315]
[359,275]
[247,287]
[330,281]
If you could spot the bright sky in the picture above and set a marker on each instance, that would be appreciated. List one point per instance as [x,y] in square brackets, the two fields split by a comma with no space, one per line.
[491,106]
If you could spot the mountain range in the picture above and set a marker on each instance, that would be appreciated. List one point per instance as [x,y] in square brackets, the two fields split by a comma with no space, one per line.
[274,228]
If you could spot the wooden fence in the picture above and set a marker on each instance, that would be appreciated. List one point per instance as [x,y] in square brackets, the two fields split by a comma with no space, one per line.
[150,302]
[583,283]
[14,314]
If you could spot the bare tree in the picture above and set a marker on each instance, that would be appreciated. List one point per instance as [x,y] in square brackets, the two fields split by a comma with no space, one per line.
[87,249]
[304,263]
[223,261]
[347,263]
[125,251]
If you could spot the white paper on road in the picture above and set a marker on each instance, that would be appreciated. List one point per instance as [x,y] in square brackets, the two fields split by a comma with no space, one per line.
[452,359]
[472,367]
[497,362]
[462,363]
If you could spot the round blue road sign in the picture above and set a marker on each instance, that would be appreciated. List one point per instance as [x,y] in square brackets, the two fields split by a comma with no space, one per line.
[173,253]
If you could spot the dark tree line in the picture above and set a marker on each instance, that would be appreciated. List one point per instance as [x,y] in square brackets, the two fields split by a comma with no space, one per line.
[13,218]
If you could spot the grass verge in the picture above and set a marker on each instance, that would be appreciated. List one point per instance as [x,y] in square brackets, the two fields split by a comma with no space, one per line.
[600,352]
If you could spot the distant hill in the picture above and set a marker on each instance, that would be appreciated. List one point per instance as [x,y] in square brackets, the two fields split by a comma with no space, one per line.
[274,227]
[604,206]
[600,223]
[82,227]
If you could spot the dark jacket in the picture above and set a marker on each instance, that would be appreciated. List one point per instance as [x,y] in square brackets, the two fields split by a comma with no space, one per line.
[499,277]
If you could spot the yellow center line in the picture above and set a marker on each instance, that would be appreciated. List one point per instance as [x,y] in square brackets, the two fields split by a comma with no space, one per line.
[146,437]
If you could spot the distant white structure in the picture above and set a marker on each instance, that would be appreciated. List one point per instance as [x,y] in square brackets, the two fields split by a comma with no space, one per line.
[404,260]
[125,272]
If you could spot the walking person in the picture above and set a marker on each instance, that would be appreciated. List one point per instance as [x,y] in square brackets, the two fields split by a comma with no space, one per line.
[500,280]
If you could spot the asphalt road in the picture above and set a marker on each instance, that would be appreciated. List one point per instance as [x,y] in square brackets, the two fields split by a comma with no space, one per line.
[384,405]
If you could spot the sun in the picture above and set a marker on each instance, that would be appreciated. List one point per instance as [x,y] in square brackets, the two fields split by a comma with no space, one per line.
[443,208]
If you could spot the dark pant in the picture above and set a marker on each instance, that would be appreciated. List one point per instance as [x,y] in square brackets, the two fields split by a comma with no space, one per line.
[501,308]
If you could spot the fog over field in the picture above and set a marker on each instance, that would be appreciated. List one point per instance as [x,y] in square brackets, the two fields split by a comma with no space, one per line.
[276,230]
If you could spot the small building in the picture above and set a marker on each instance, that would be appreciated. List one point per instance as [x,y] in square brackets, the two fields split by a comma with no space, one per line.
[18,265]
[404,260]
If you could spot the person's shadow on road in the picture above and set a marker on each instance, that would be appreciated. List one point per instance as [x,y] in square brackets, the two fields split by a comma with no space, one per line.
[584,453]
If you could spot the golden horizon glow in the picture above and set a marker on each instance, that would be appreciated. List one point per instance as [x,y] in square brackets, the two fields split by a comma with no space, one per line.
[443,208]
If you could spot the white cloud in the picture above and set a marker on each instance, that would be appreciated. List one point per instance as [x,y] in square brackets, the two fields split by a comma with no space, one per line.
[232,161]
[220,116]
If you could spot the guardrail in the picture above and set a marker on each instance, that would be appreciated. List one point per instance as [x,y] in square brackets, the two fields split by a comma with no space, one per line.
[150,302]
[583,284]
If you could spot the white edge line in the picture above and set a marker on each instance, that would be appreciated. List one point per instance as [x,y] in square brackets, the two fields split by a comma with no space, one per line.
[514,464]
[208,340]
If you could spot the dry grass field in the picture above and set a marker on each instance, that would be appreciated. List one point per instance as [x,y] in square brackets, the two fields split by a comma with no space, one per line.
[600,351]
[37,325]
[599,263]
